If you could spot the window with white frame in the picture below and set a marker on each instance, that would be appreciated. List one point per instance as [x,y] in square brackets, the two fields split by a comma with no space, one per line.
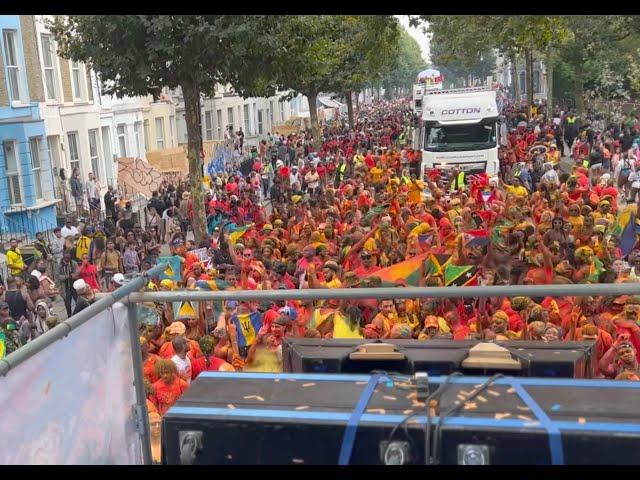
[159,133]
[146,136]
[36,166]
[247,124]
[271,112]
[122,139]
[12,172]
[49,65]
[74,156]
[76,80]
[136,133]
[259,122]
[239,117]
[17,92]
[219,126]
[281,111]
[255,115]
[93,152]
[106,144]
[208,125]
[172,120]
[230,117]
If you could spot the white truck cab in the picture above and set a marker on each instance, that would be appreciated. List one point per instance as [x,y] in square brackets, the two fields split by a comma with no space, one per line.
[460,129]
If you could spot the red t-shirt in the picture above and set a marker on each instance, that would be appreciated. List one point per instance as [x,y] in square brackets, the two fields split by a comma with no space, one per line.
[166,395]
[200,365]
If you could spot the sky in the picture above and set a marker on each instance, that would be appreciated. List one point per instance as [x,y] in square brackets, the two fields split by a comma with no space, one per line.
[416,33]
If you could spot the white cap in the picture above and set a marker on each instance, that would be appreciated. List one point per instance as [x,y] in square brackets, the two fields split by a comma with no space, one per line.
[118,279]
[80,284]
[37,274]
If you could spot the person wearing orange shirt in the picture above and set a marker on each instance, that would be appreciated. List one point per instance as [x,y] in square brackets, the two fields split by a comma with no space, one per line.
[177,329]
[169,388]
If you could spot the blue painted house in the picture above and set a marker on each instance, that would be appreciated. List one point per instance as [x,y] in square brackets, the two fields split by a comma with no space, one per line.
[27,202]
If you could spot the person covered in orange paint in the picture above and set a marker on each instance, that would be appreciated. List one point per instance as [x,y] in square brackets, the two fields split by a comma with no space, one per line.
[169,387]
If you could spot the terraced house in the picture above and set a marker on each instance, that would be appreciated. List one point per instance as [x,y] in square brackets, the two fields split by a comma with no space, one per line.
[27,200]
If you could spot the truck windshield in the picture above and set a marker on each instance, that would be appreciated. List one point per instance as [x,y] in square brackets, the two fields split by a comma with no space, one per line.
[478,136]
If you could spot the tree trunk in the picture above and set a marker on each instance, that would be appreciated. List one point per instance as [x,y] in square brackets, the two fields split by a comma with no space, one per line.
[514,77]
[578,88]
[549,61]
[313,118]
[194,145]
[529,79]
[350,108]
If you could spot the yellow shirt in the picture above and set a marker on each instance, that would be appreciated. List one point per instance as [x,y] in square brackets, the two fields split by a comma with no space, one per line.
[415,189]
[376,174]
[335,283]
[342,329]
[518,191]
[15,262]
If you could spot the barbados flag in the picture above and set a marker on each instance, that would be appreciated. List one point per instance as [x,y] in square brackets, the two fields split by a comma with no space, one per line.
[247,325]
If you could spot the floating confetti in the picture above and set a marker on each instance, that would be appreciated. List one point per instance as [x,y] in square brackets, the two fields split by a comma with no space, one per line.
[482,399]
[500,416]
[381,411]
[390,397]
[525,418]
[582,420]
[520,407]
[493,392]
[231,406]
[470,405]
[407,412]
[311,384]
[302,407]
[511,390]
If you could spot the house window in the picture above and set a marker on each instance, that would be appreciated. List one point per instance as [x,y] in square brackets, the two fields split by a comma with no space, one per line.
[136,132]
[259,122]
[172,120]
[246,119]
[230,117]
[255,114]
[74,157]
[159,133]
[76,80]
[122,140]
[271,112]
[16,90]
[34,146]
[106,143]
[12,172]
[219,126]
[281,111]
[49,66]
[93,153]
[208,125]
[536,81]
[146,135]
[239,117]
[523,84]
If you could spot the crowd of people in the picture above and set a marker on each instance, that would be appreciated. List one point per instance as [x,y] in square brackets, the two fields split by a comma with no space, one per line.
[361,212]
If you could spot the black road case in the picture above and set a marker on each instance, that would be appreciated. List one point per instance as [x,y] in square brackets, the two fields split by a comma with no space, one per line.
[233,418]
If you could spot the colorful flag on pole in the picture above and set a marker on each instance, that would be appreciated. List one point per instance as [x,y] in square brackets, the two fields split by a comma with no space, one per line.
[476,238]
[408,271]
[186,310]
[436,263]
[237,233]
[174,268]
[460,275]
[626,229]
[247,325]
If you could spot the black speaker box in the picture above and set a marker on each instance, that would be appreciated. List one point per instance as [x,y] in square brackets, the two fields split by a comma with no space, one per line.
[245,418]
[439,357]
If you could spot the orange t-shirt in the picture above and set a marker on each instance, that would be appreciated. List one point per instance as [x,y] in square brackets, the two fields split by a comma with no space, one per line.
[166,395]
[148,368]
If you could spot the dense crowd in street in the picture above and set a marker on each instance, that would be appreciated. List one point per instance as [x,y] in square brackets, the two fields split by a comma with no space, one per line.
[359,212]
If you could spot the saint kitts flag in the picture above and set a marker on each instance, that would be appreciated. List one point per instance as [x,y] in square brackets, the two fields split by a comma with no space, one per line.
[460,275]
[247,325]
